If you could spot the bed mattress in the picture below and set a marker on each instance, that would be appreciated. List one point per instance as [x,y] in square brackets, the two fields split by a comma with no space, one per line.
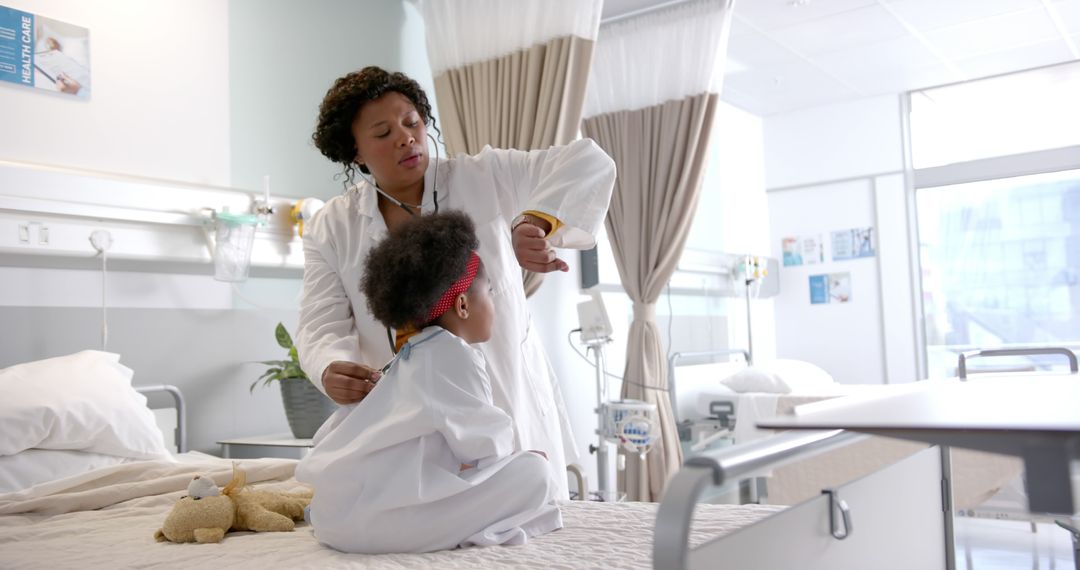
[107,519]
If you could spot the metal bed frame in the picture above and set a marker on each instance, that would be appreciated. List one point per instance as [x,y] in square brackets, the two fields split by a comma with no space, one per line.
[181,411]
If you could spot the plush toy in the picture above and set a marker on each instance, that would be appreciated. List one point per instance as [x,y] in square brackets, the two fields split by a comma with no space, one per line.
[201,487]
[206,515]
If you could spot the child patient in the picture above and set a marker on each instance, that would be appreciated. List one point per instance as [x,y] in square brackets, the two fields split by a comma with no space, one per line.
[425,462]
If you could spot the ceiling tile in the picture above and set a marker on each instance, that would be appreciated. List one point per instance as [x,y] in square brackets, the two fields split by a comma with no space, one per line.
[872,59]
[841,31]
[926,15]
[1016,59]
[994,34]
[781,103]
[773,14]
[901,79]
[1069,12]
[778,81]
[753,49]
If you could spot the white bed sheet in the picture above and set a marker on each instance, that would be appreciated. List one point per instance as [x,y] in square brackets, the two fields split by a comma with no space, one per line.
[106,519]
[33,466]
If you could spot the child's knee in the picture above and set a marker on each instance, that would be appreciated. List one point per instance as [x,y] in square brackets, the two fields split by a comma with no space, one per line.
[530,465]
[531,471]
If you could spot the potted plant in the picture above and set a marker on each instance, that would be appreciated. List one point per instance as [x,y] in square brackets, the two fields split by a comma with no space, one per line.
[305,406]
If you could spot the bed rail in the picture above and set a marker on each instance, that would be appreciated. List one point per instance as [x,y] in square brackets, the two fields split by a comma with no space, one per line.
[1032,351]
[725,465]
[674,359]
[181,410]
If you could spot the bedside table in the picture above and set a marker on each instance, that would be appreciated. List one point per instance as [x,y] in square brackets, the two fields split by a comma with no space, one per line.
[280,445]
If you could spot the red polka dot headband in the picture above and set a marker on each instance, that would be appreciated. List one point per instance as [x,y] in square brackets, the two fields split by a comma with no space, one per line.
[458,287]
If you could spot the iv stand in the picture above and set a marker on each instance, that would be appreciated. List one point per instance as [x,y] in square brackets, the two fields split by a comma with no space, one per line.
[600,448]
[749,327]
[752,272]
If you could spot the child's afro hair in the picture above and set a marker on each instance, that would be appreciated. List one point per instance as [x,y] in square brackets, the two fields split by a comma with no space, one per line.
[406,273]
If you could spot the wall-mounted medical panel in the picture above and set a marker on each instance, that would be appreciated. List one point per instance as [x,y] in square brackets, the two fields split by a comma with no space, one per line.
[48,211]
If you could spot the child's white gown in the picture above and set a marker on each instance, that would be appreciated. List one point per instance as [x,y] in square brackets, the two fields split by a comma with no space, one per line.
[387,471]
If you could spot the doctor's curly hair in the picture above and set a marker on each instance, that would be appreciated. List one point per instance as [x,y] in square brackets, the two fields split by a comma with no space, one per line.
[333,130]
[406,273]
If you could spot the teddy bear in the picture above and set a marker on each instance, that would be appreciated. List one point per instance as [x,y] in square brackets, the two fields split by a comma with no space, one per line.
[205,514]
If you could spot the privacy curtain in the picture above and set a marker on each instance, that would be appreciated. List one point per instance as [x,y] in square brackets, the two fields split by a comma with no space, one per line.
[653,91]
[510,74]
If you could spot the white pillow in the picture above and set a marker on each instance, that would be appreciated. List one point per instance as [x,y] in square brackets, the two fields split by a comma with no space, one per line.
[756,379]
[799,376]
[34,466]
[83,401]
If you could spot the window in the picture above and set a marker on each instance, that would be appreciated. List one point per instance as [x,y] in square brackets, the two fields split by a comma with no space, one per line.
[1000,267]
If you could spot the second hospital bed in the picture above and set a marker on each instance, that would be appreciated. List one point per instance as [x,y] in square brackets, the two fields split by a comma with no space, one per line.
[708,410]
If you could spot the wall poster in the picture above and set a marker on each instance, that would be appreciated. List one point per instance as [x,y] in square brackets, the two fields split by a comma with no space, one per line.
[853,243]
[830,288]
[43,53]
[801,250]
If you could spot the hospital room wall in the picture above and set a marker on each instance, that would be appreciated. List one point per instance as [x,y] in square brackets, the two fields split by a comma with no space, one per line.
[284,57]
[151,112]
[154,114]
[844,163]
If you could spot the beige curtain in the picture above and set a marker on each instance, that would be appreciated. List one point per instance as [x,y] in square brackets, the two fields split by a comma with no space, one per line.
[529,99]
[659,152]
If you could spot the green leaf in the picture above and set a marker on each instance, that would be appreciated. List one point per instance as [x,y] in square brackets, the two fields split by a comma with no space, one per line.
[281,370]
[293,371]
[282,335]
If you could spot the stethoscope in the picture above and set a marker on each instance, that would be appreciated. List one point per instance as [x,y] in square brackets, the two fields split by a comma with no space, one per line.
[409,210]
[410,207]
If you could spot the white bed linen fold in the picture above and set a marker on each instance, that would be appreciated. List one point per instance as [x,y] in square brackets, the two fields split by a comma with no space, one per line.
[111,485]
[35,466]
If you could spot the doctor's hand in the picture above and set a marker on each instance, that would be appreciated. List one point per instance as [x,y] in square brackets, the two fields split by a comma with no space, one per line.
[349,382]
[532,250]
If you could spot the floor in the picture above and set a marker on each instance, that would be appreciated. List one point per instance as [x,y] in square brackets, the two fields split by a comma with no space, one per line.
[986,544]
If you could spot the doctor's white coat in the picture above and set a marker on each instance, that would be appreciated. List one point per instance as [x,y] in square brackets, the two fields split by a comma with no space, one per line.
[572,183]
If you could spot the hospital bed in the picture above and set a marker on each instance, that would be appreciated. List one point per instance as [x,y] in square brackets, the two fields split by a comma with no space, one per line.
[899,516]
[711,414]
[106,515]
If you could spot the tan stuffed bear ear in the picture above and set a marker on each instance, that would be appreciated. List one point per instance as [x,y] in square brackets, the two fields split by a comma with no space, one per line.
[160,536]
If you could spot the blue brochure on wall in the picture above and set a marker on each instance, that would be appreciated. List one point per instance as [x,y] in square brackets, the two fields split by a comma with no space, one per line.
[819,289]
[43,53]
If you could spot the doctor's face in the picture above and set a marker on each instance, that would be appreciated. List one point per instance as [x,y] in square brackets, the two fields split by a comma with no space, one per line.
[391,141]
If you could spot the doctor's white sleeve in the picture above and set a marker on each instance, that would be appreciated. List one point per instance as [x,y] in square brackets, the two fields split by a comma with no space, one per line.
[327,330]
[474,428]
[573,183]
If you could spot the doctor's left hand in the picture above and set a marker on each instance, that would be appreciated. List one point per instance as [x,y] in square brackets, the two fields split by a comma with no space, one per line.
[532,249]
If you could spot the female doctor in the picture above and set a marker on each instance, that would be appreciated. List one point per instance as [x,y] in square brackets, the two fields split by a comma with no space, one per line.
[522,203]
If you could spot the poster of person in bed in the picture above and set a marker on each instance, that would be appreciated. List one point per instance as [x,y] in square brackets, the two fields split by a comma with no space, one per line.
[43,53]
